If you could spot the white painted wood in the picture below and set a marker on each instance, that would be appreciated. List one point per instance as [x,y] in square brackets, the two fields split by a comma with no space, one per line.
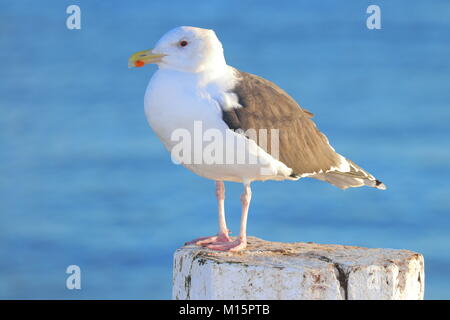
[274,270]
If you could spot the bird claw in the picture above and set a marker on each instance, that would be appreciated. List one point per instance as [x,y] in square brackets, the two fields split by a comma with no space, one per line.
[233,246]
[204,241]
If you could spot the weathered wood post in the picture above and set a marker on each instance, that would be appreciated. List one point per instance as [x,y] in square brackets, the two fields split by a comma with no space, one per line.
[274,270]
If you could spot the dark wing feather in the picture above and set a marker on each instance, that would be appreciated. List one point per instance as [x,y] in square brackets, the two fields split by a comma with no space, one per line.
[266,106]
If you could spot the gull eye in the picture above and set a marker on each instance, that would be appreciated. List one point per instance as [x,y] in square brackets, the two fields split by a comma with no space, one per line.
[183,43]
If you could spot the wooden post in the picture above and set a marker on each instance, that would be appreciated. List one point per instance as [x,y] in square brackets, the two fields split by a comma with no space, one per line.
[274,270]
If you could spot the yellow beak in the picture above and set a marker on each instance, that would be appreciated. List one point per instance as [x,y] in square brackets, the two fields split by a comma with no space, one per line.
[141,58]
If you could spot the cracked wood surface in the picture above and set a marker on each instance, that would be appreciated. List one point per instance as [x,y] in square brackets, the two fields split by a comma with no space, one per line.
[275,270]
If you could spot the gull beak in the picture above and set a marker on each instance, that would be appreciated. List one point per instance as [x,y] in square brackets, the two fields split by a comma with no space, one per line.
[141,58]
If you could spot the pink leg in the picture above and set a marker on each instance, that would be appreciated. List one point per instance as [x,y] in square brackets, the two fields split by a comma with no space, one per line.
[222,235]
[241,242]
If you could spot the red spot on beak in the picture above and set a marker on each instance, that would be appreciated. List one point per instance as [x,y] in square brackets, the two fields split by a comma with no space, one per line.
[139,63]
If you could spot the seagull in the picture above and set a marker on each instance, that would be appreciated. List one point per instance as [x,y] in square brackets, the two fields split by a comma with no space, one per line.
[217,121]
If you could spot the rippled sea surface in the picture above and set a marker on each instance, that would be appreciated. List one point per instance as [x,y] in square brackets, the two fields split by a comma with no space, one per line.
[84,180]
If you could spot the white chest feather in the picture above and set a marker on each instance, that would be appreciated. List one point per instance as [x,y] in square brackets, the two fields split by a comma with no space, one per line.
[178,101]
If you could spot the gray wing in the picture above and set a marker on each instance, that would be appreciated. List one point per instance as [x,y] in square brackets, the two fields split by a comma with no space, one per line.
[302,146]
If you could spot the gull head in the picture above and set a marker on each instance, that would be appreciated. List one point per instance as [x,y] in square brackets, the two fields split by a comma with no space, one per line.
[186,49]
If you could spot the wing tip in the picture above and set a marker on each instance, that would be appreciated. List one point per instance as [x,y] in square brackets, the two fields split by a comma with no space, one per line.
[380,185]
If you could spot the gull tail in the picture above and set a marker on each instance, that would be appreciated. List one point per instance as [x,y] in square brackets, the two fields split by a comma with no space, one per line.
[355,176]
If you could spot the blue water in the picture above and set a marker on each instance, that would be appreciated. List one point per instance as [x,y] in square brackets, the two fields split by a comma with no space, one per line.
[84,181]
